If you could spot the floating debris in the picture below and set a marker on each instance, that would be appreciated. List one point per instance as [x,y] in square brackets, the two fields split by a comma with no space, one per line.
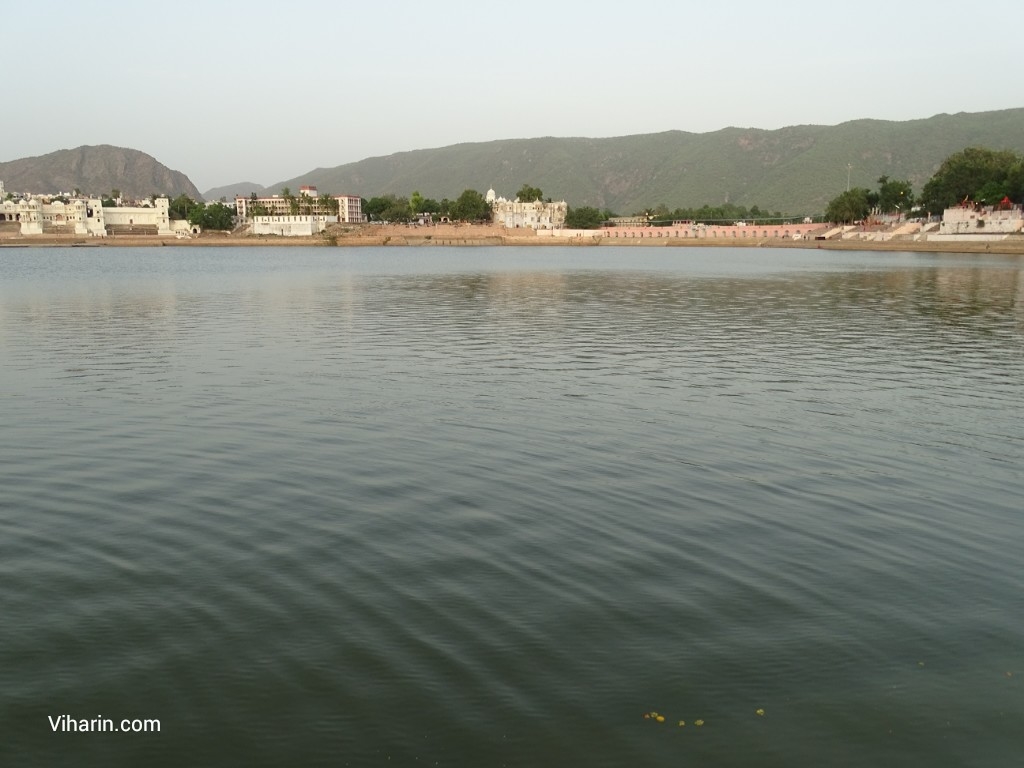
[698,723]
[682,723]
[759,712]
[660,718]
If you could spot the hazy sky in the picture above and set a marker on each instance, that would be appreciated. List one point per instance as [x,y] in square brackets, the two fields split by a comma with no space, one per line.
[264,91]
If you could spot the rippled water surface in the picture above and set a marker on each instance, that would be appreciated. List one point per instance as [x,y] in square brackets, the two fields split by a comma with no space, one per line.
[484,507]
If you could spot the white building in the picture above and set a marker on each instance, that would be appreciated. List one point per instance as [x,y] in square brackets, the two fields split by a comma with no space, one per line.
[291,226]
[515,214]
[975,221]
[86,216]
[308,203]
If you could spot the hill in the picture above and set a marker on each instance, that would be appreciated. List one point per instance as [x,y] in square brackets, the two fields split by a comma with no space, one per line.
[96,170]
[795,170]
[230,191]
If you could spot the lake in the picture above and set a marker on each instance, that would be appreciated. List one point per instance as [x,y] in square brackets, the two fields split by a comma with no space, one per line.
[501,506]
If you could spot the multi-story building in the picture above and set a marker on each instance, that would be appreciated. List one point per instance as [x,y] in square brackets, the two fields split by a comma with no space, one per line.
[307,203]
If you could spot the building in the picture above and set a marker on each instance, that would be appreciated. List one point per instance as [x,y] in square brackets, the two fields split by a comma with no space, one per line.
[308,203]
[977,221]
[350,209]
[87,216]
[515,214]
[634,221]
[285,225]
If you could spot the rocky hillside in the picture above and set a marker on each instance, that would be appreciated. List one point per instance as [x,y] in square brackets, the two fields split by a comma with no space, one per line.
[95,170]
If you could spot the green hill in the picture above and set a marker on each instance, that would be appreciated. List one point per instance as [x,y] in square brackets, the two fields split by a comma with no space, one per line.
[795,170]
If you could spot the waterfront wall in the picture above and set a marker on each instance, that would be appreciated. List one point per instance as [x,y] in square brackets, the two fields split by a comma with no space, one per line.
[969,220]
[695,232]
[291,226]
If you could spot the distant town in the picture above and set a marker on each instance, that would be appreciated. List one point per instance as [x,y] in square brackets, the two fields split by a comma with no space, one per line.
[981,189]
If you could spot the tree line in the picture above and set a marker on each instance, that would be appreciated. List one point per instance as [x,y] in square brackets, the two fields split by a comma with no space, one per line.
[712,214]
[975,174]
[471,205]
[212,216]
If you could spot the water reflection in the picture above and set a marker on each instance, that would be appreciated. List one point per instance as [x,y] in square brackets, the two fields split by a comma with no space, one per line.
[327,502]
[949,293]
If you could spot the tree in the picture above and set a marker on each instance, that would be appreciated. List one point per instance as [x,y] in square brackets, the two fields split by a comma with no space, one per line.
[584,217]
[397,210]
[220,216]
[894,195]
[964,174]
[416,203]
[374,207]
[709,214]
[330,204]
[529,194]
[992,192]
[852,205]
[387,208]
[1015,181]
[180,207]
[471,206]
[214,216]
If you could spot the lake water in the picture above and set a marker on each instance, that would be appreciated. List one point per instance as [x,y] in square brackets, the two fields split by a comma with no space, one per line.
[492,506]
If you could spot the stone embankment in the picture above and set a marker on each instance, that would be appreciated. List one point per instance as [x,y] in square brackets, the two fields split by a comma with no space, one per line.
[489,235]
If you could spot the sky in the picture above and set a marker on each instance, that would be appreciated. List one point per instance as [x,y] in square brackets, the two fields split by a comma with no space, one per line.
[266,91]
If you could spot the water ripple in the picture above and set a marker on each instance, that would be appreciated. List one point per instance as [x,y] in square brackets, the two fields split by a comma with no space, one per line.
[491,506]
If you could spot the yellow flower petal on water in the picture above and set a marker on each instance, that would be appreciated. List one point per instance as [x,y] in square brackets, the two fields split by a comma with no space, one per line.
[760,712]
[682,723]
[660,718]
[698,723]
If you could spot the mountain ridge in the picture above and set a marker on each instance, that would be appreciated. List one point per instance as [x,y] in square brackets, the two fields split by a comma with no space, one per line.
[795,169]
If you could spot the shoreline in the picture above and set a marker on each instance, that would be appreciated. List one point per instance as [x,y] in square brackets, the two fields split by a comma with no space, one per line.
[484,236]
